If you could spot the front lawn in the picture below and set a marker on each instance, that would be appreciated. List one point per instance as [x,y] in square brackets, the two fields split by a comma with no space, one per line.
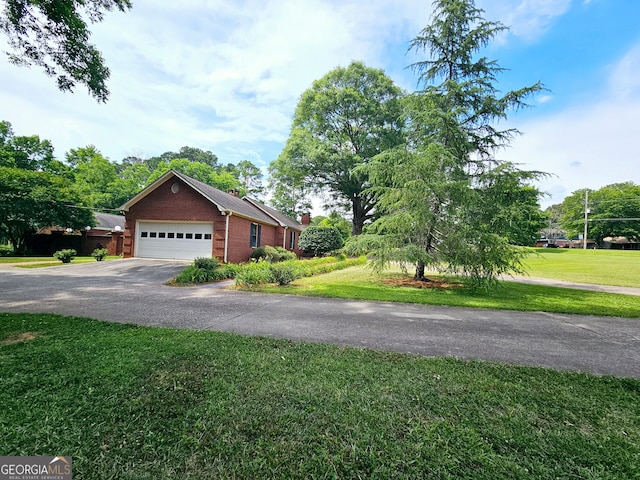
[39,262]
[137,402]
[360,283]
[602,267]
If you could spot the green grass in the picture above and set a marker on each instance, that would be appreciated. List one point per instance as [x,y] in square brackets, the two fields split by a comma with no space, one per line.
[360,283]
[40,262]
[603,267]
[131,402]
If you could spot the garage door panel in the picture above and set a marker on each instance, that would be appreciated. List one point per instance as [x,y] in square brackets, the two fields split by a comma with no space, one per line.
[174,240]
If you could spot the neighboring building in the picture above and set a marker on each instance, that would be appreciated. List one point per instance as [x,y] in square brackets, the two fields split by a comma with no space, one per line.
[180,217]
[108,233]
[621,243]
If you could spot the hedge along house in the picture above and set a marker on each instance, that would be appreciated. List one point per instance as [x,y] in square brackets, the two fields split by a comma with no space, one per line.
[180,217]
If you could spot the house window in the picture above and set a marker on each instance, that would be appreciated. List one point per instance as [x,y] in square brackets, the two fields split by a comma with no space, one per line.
[254,240]
[292,240]
[207,236]
[161,235]
[153,234]
[144,234]
[189,236]
[198,236]
[179,235]
[171,235]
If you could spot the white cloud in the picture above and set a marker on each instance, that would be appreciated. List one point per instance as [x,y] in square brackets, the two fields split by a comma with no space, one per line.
[223,76]
[589,145]
[527,19]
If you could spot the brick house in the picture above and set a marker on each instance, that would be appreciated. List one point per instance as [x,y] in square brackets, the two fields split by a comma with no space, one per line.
[108,233]
[180,217]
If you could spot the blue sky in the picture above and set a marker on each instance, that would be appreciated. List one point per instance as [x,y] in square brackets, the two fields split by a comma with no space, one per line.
[226,75]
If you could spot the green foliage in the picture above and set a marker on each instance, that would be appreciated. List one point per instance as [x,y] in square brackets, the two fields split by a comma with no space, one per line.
[250,177]
[94,175]
[284,273]
[30,200]
[254,274]
[619,203]
[342,121]
[443,198]
[287,183]
[271,408]
[206,263]
[320,240]
[25,152]
[258,253]
[278,254]
[66,255]
[55,36]
[334,220]
[204,270]
[358,283]
[272,254]
[130,180]
[99,254]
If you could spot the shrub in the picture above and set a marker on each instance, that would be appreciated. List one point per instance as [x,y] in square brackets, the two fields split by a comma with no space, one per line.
[272,254]
[254,274]
[278,254]
[66,255]
[99,254]
[258,254]
[320,240]
[206,263]
[204,270]
[284,273]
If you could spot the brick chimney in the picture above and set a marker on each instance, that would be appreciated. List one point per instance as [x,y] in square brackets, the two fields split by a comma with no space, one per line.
[305,219]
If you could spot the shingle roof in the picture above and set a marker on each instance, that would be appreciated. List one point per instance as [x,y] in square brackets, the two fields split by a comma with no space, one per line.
[226,201]
[108,221]
[248,208]
[281,218]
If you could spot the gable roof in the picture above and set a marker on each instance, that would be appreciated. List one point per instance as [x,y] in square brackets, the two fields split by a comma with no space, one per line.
[226,203]
[279,217]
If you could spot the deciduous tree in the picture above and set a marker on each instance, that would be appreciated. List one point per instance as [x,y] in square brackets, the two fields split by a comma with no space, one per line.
[614,211]
[54,35]
[30,200]
[345,119]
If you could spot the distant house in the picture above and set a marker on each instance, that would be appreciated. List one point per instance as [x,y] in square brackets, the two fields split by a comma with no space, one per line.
[621,243]
[108,233]
[180,217]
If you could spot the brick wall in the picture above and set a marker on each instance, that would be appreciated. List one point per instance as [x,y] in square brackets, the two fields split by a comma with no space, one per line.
[187,205]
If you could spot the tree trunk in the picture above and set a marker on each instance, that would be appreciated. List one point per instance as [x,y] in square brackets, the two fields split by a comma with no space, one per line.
[419,271]
[359,215]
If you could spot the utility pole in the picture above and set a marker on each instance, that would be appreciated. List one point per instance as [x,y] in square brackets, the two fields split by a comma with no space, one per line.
[586,219]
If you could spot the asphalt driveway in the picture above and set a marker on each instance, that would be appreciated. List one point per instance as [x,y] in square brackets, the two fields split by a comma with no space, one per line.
[132,291]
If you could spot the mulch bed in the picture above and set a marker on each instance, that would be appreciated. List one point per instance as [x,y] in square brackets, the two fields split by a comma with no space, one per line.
[438,283]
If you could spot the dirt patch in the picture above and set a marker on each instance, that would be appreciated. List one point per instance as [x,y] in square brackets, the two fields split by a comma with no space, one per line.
[437,283]
[23,337]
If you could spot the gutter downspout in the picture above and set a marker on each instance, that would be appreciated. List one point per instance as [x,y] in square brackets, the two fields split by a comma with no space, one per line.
[226,238]
[284,238]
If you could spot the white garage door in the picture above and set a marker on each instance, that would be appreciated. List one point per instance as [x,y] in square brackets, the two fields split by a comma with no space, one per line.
[174,240]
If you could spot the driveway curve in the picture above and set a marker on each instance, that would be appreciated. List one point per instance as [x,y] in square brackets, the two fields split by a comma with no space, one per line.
[132,291]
